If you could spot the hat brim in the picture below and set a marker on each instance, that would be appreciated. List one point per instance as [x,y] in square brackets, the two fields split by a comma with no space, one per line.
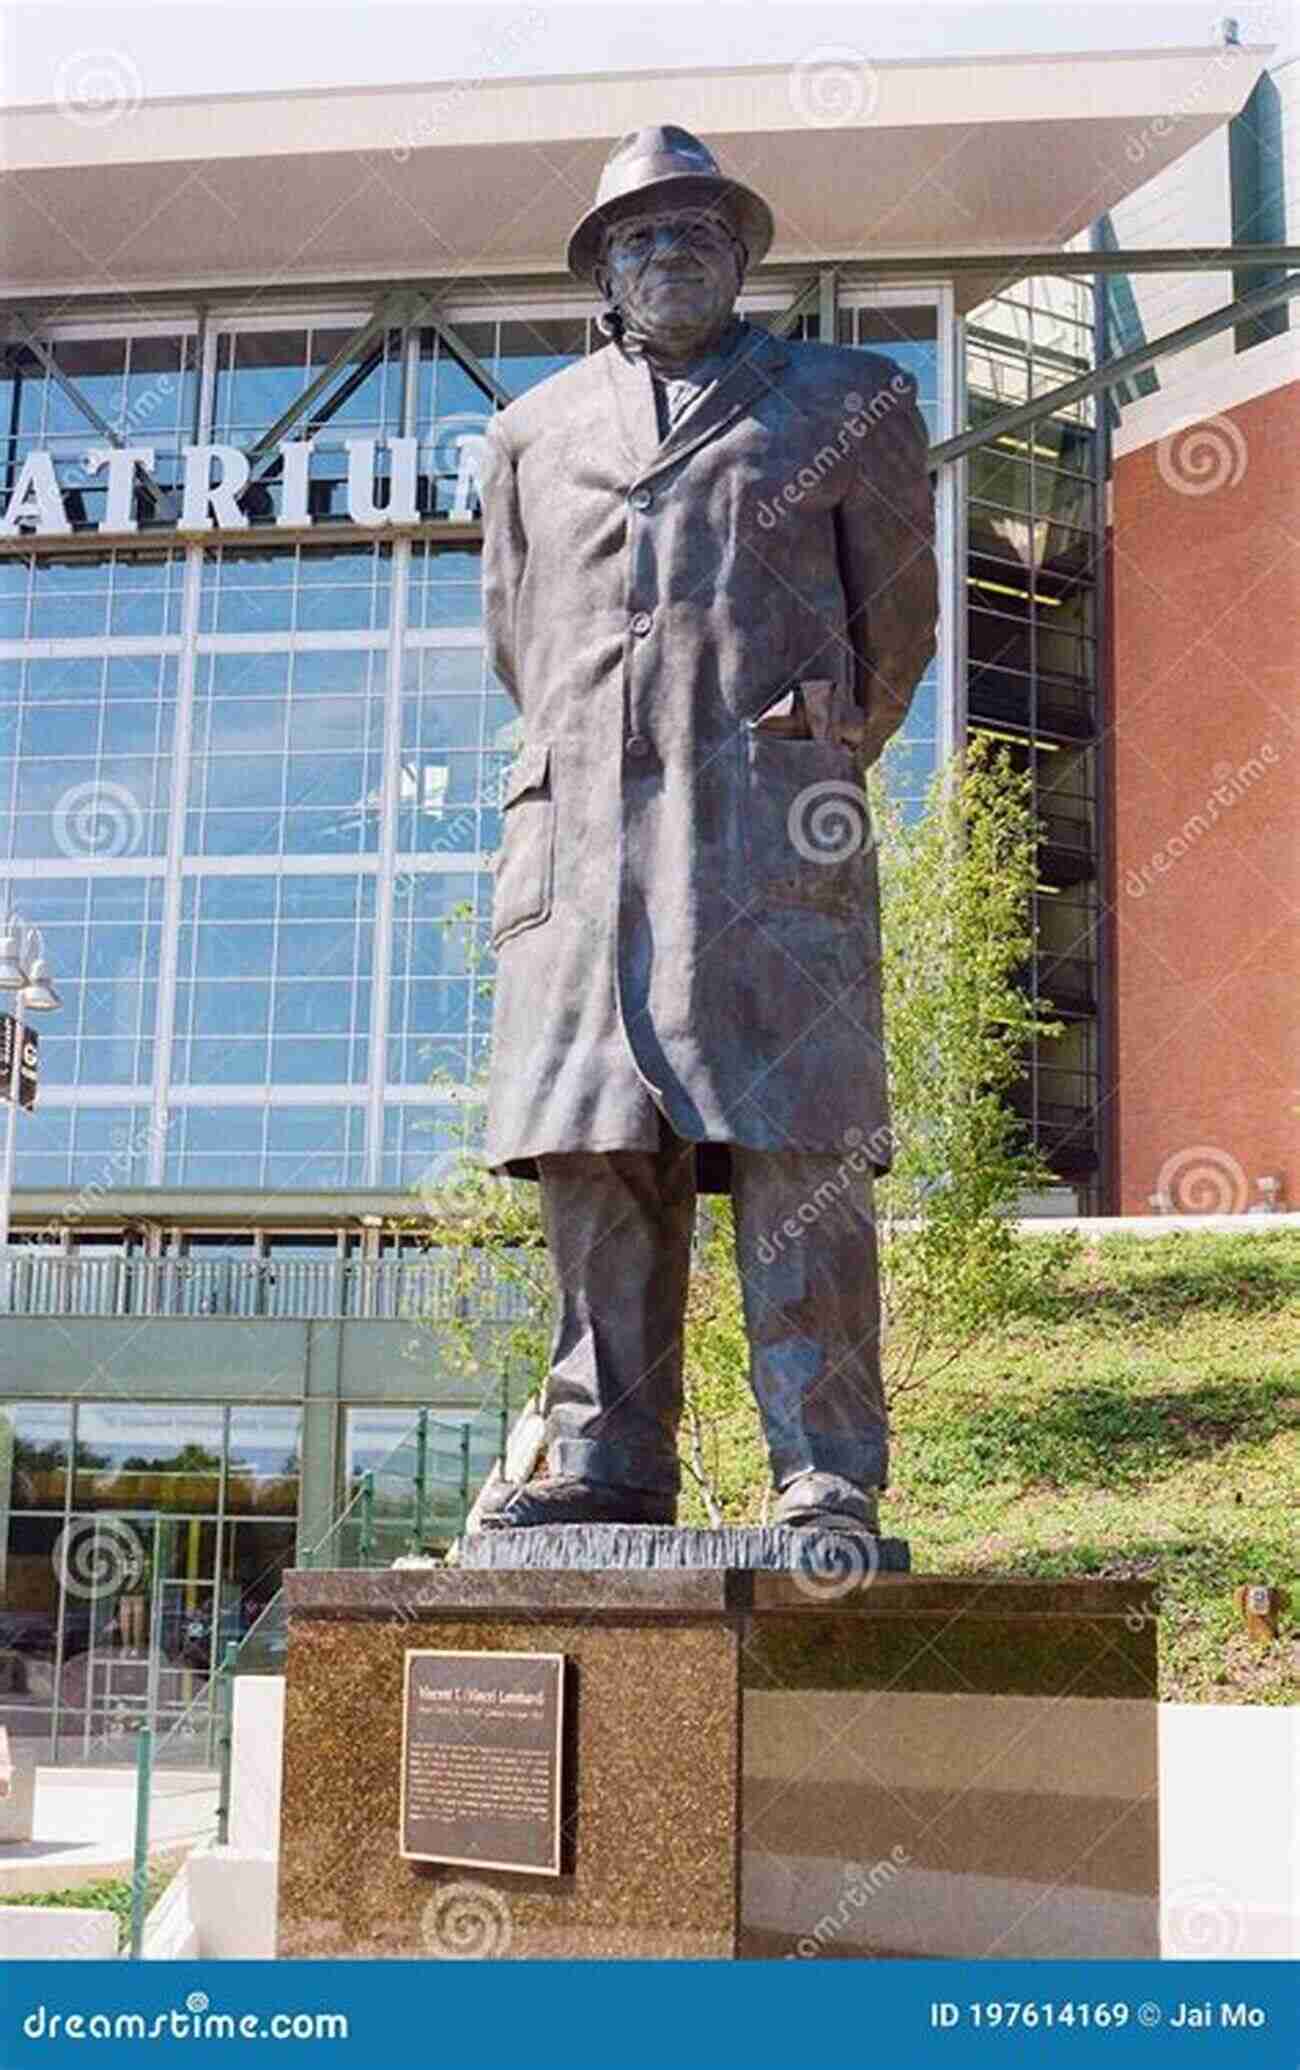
[747,210]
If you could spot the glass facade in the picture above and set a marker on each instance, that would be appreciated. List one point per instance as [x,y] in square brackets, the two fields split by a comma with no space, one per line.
[249,788]
[136,1541]
[1034,542]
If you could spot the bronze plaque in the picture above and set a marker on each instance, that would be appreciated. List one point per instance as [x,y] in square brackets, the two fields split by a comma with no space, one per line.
[481,1759]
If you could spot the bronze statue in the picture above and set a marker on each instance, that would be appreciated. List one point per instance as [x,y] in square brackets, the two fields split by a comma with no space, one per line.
[710,587]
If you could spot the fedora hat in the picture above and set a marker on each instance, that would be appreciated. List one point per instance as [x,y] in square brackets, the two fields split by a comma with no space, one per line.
[664,166]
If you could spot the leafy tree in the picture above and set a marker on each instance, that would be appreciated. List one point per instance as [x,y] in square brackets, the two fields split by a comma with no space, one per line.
[956,906]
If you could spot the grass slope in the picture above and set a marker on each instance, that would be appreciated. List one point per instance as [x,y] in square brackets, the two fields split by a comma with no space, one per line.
[1144,1422]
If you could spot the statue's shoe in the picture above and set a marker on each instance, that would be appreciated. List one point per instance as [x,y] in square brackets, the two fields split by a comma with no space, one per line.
[828,1502]
[563,1499]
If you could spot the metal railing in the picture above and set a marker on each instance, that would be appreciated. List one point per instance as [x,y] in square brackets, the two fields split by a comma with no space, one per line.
[417,1497]
[35,1282]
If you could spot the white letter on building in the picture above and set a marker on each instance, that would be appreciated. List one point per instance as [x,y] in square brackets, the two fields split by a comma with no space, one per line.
[36,495]
[469,470]
[400,508]
[295,458]
[203,494]
[121,462]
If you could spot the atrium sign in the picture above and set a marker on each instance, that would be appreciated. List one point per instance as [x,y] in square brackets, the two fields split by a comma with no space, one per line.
[215,476]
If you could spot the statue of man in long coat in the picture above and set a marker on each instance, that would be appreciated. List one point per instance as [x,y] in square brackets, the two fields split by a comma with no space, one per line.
[710,587]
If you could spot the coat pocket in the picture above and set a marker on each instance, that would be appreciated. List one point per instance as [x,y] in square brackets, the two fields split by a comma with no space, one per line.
[525,867]
[808,827]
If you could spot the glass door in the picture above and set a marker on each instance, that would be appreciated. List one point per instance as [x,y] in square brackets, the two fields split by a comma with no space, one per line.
[136,1629]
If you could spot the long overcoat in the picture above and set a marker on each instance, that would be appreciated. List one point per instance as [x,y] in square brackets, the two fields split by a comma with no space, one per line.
[686,913]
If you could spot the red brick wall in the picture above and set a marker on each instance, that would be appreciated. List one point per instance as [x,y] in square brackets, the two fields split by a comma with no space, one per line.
[1204,762]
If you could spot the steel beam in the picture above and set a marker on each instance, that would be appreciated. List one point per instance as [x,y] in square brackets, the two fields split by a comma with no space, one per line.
[469,359]
[861,267]
[368,334]
[162,501]
[949,449]
[807,297]
[1022,265]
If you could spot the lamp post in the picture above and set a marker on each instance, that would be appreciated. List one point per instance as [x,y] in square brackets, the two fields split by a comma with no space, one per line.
[25,976]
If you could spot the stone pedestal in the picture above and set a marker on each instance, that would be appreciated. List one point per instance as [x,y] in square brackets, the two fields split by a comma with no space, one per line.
[755,1764]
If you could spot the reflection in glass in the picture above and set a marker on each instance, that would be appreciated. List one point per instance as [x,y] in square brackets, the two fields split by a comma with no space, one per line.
[265,1460]
[34,1451]
[147,1456]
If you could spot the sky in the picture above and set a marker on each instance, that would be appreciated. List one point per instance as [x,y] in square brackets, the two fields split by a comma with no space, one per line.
[178,47]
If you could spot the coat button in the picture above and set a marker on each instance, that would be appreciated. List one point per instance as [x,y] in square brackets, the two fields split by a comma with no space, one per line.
[641,623]
[637,745]
[641,499]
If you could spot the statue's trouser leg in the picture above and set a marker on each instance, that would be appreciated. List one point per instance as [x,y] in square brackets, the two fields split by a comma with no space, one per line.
[618,1228]
[809,1270]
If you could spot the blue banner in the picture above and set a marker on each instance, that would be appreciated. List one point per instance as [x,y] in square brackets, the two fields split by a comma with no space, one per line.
[665,2016]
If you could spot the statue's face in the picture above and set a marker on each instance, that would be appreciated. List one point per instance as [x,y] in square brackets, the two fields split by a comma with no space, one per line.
[673,274]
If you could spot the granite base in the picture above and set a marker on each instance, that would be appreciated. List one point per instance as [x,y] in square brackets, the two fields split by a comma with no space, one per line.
[756,1765]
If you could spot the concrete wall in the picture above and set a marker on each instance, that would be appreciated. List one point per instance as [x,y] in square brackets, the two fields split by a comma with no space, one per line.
[1228,1819]
[257,1728]
[36,1933]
